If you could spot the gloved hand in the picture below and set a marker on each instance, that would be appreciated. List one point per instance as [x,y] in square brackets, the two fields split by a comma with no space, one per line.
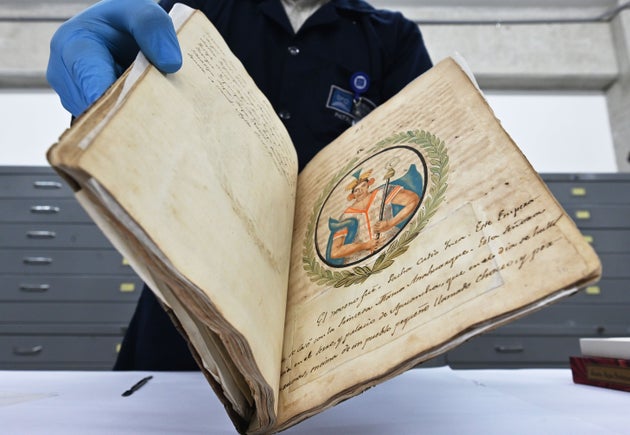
[89,51]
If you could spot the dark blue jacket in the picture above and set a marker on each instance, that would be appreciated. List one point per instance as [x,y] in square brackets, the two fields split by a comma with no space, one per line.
[306,76]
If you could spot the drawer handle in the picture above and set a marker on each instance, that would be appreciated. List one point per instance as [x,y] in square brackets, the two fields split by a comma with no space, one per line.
[593,290]
[127,287]
[38,260]
[578,191]
[34,288]
[45,209]
[517,348]
[47,185]
[41,234]
[583,214]
[28,351]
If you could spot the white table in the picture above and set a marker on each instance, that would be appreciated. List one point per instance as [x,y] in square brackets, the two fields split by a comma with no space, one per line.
[428,401]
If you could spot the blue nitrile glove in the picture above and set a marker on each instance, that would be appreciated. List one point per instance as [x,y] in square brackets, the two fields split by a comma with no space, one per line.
[89,51]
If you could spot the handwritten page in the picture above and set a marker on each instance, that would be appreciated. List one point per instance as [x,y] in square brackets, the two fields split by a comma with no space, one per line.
[485,238]
[223,176]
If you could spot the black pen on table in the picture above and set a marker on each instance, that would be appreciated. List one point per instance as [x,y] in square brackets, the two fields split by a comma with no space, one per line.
[137,386]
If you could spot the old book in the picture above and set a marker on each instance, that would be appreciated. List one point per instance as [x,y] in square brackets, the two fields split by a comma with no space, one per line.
[603,372]
[607,347]
[418,228]
[605,362]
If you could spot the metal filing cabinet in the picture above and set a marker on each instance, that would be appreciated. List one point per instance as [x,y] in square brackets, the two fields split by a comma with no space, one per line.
[66,295]
[600,206]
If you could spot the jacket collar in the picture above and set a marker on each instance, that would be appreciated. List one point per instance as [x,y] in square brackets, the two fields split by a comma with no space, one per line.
[328,13]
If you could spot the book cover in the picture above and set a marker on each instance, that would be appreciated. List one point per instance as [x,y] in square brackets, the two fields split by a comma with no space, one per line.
[611,373]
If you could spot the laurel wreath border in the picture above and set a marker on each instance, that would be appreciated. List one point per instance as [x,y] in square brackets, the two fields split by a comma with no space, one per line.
[438,173]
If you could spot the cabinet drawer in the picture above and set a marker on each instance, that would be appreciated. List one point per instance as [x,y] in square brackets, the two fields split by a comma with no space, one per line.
[43,349]
[68,329]
[54,288]
[567,329]
[563,317]
[608,240]
[583,191]
[54,262]
[599,216]
[51,235]
[514,351]
[606,291]
[615,265]
[40,210]
[46,183]
[66,312]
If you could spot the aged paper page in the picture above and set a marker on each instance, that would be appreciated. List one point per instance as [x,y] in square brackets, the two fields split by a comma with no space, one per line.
[212,353]
[478,235]
[214,189]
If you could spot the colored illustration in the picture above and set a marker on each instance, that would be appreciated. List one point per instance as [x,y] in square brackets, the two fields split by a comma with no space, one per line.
[374,216]
[372,210]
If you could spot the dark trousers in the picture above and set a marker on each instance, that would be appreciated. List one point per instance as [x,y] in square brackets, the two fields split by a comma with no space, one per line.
[152,342]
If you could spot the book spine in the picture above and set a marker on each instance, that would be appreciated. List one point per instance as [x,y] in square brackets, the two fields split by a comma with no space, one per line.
[601,372]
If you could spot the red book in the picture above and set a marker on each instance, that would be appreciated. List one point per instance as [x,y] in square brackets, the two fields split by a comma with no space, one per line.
[601,372]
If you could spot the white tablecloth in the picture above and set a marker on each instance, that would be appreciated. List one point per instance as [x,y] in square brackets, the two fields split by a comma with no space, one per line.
[427,401]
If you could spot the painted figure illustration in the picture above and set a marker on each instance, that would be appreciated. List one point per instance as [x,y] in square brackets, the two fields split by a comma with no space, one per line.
[375,215]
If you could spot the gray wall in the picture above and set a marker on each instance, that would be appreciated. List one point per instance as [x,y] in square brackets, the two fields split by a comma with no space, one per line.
[527,45]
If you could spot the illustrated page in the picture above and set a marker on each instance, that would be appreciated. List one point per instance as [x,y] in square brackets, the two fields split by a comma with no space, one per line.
[417,224]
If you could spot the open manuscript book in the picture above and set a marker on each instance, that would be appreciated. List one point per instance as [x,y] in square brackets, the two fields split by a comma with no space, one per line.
[419,227]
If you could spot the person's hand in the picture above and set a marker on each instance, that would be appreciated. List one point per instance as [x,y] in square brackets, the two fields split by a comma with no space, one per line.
[90,51]
[370,245]
[382,226]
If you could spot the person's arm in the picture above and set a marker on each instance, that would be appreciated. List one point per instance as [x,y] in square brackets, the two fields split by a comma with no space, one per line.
[90,51]
[339,250]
